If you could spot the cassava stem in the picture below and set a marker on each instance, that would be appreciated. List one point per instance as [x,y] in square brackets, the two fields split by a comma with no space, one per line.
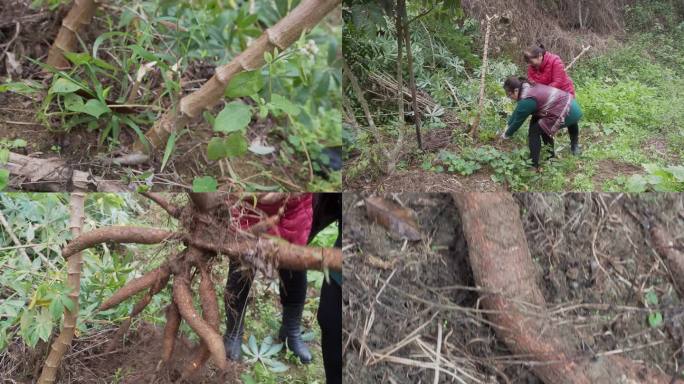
[301,19]
[80,15]
[63,341]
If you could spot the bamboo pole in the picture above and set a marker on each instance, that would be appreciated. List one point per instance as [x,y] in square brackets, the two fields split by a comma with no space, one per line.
[79,16]
[63,341]
[302,19]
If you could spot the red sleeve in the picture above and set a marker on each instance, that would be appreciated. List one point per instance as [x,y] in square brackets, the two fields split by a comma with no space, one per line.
[557,74]
[530,74]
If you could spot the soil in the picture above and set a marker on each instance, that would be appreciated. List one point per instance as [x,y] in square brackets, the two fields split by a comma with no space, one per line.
[595,264]
[609,169]
[137,361]
[80,148]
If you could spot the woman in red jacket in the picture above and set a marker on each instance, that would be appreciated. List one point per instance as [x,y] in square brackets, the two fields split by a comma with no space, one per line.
[294,226]
[548,69]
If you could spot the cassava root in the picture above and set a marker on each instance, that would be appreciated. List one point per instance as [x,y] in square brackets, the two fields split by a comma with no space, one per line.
[501,264]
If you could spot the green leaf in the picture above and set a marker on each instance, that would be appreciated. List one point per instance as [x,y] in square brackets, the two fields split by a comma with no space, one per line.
[651,298]
[245,84]
[236,145]
[78,58]
[677,172]
[281,103]
[216,149]
[19,143]
[170,145]
[4,155]
[275,366]
[44,324]
[636,183]
[252,343]
[234,117]
[4,178]
[655,319]
[63,85]
[74,103]
[247,379]
[204,184]
[95,108]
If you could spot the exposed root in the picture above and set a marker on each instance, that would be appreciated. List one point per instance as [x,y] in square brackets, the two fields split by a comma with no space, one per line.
[171,209]
[157,277]
[183,298]
[170,331]
[674,259]
[117,234]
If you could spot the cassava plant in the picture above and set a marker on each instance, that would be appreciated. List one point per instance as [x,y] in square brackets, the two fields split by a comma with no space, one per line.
[273,40]
[210,228]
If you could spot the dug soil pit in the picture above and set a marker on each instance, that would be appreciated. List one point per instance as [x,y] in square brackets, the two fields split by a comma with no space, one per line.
[406,303]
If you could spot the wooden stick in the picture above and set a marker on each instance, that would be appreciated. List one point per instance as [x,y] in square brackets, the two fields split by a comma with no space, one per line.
[473,131]
[584,50]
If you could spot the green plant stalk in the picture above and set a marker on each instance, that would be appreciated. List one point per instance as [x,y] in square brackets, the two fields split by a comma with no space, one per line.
[63,341]
[303,18]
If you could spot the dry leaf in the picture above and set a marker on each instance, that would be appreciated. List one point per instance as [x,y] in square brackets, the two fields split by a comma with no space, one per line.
[399,221]
[379,263]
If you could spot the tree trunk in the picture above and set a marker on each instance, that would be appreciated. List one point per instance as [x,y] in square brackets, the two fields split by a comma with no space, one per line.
[483,74]
[80,15]
[63,341]
[303,18]
[412,76]
[501,264]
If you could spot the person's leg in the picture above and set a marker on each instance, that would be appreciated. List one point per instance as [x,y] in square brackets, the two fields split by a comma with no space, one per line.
[292,297]
[549,143]
[573,130]
[534,142]
[235,301]
[330,320]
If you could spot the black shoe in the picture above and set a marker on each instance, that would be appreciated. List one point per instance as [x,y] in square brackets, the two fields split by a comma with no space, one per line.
[232,340]
[291,333]
[575,149]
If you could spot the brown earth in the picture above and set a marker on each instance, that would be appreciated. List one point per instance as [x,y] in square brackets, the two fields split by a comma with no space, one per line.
[595,264]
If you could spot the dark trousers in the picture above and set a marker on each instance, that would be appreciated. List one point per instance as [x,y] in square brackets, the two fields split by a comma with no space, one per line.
[292,287]
[330,320]
[536,135]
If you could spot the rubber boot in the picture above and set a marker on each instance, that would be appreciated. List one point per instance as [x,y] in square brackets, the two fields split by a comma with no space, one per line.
[291,333]
[575,149]
[232,340]
[237,292]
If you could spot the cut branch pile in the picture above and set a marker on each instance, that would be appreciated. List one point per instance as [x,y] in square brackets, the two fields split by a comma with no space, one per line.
[426,103]
[211,225]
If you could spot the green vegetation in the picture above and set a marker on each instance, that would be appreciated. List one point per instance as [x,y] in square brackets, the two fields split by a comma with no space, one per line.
[33,291]
[629,91]
[146,54]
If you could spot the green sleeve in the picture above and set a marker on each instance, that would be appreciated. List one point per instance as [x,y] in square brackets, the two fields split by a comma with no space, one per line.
[525,108]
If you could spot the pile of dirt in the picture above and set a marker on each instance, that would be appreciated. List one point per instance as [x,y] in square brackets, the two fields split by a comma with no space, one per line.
[90,361]
[595,261]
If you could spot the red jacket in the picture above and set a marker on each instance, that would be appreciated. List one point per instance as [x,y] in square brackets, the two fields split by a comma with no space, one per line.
[295,224]
[552,73]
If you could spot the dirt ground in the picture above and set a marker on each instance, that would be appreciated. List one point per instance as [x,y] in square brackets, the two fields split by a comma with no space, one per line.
[595,264]
[135,362]
[80,148]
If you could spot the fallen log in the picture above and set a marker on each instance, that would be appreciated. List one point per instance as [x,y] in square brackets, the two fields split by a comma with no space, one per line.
[501,264]
[53,175]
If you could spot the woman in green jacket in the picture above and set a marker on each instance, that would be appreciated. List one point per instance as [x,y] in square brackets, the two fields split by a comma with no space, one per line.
[551,109]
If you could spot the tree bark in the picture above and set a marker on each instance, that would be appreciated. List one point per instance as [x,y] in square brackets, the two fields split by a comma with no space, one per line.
[63,341]
[303,18]
[483,74]
[79,16]
[502,265]
[412,76]
[674,259]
